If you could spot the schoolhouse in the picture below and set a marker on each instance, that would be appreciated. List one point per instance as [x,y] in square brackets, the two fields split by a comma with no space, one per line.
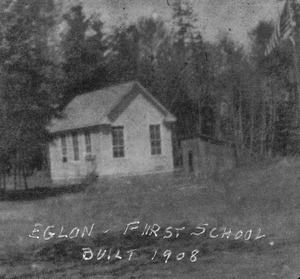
[118,130]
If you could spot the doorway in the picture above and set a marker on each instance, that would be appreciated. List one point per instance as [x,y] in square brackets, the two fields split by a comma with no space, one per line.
[191,161]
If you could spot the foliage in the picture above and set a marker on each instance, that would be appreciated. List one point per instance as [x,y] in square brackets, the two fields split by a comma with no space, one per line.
[217,89]
[278,90]
[28,82]
[83,49]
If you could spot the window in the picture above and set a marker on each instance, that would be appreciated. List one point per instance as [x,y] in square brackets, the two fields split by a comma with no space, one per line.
[75,146]
[118,141]
[155,139]
[88,142]
[64,148]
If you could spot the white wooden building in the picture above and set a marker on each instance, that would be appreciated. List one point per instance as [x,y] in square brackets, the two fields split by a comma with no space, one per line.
[119,130]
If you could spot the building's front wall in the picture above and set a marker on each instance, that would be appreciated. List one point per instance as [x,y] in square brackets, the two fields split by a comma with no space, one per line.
[138,159]
[72,171]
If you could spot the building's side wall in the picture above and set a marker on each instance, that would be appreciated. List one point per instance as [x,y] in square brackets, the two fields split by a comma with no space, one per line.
[138,159]
[73,171]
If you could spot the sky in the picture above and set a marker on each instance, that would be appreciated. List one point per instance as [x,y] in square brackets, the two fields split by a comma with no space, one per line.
[237,17]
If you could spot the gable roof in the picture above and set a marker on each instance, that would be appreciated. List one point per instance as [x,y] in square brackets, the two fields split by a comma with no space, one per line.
[103,107]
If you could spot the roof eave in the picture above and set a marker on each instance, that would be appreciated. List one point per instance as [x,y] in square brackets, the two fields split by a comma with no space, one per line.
[105,121]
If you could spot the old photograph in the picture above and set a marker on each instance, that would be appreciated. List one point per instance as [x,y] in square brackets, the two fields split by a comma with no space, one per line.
[150,139]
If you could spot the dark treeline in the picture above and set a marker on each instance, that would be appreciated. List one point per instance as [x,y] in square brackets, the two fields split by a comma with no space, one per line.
[216,89]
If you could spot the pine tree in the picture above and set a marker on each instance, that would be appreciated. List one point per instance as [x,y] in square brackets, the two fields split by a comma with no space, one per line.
[29,82]
[124,54]
[83,49]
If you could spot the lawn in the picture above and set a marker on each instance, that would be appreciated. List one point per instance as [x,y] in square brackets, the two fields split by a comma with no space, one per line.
[172,218]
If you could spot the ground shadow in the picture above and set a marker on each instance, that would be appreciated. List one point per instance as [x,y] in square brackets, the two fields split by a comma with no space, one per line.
[38,193]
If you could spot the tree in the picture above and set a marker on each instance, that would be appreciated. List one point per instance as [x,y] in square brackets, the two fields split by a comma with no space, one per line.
[233,85]
[123,55]
[278,90]
[83,49]
[183,25]
[29,81]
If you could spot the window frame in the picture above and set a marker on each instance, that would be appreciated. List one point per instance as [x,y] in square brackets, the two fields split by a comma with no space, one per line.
[88,142]
[118,142]
[64,148]
[155,139]
[75,142]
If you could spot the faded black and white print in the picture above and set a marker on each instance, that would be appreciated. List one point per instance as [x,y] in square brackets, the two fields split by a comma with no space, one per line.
[149,139]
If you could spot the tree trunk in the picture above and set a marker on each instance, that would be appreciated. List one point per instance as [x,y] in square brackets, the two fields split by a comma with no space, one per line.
[263,128]
[4,181]
[272,138]
[199,128]
[252,116]
[19,177]
[24,174]
[217,128]
[15,176]
[240,123]
[236,138]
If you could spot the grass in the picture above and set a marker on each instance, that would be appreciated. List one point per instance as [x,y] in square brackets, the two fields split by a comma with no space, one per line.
[266,197]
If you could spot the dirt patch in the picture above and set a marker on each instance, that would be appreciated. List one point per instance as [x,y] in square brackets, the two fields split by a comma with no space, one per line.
[117,255]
